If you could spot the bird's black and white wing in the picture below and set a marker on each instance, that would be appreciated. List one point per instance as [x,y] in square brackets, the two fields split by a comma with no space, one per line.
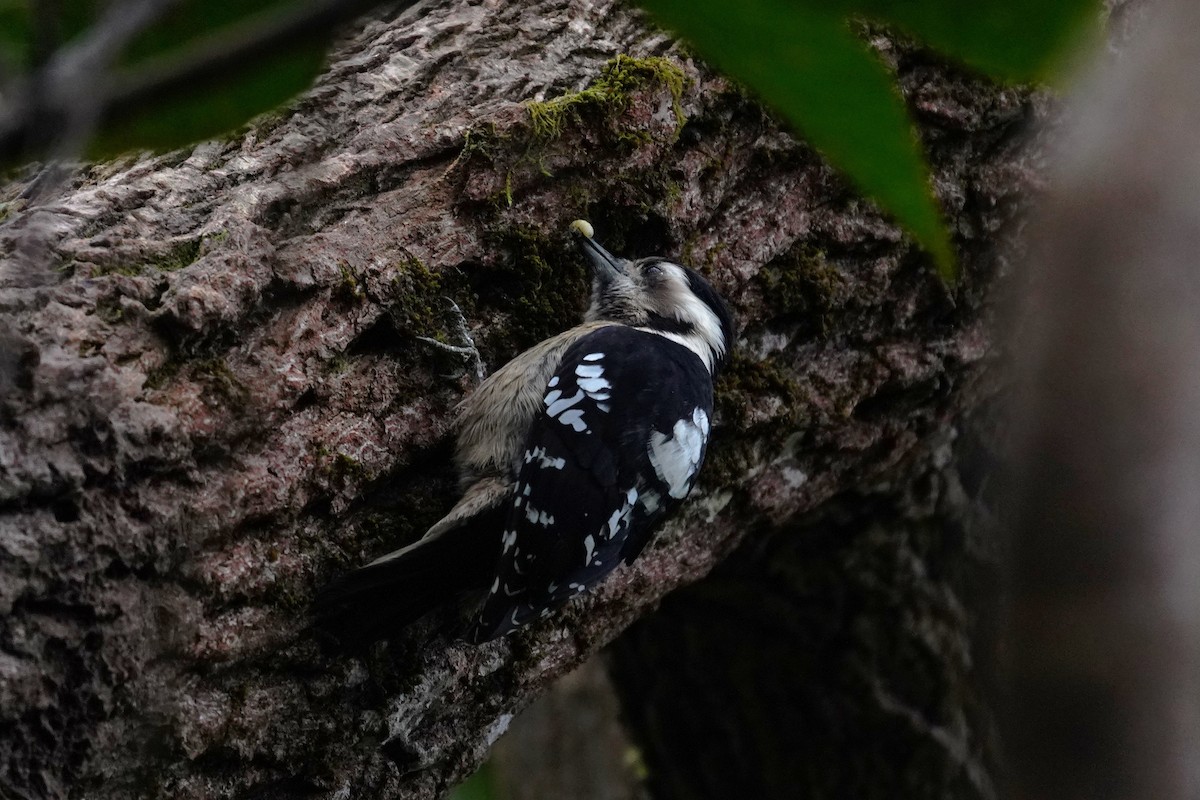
[621,435]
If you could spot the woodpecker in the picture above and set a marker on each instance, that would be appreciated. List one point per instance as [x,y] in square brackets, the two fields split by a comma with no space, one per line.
[570,456]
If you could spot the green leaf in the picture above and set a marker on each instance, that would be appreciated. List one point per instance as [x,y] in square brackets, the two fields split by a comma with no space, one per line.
[16,36]
[25,36]
[220,97]
[480,786]
[806,64]
[1015,40]
[193,74]
[193,20]
[210,106]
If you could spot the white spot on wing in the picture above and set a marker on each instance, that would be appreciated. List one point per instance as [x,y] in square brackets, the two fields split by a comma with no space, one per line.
[574,418]
[538,517]
[594,385]
[589,370]
[593,356]
[544,460]
[560,405]
[676,458]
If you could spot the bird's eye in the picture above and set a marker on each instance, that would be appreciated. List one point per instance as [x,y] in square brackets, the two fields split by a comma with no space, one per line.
[653,271]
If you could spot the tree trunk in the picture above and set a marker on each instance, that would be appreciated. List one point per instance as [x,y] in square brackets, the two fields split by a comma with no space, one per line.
[214,401]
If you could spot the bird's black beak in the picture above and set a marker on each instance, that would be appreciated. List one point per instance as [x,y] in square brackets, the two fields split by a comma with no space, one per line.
[605,266]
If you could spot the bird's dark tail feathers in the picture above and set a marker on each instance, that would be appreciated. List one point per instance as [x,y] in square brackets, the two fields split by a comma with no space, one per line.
[378,600]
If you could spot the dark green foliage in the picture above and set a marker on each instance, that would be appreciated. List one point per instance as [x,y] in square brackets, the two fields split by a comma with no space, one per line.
[1013,40]
[187,22]
[480,786]
[197,71]
[212,106]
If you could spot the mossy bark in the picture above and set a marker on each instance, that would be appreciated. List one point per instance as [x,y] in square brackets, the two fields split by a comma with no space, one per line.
[214,400]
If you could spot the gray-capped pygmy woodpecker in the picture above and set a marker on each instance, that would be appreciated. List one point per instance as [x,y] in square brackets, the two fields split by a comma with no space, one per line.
[570,456]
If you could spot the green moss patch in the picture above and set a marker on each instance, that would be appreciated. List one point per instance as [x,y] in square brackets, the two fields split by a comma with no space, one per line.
[178,256]
[552,285]
[349,287]
[219,380]
[746,380]
[420,309]
[805,284]
[609,96]
[163,374]
[171,259]
[595,115]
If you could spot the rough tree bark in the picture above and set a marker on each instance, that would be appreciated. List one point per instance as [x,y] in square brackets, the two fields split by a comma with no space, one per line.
[214,400]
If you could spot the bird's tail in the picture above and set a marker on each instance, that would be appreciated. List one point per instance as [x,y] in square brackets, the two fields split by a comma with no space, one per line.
[378,600]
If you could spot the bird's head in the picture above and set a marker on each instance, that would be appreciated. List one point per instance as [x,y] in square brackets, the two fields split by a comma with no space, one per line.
[660,296]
